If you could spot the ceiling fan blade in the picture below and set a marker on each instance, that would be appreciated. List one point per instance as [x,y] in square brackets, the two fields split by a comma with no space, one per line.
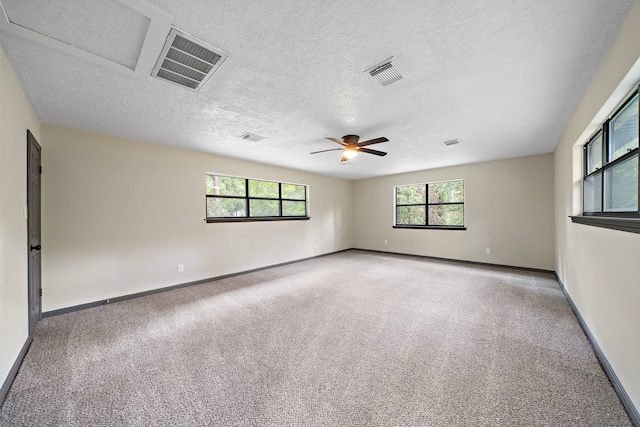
[372,141]
[370,151]
[322,151]
[338,141]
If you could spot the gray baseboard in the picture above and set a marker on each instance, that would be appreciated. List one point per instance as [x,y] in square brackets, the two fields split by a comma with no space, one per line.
[14,370]
[461,261]
[172,287]
[617,385]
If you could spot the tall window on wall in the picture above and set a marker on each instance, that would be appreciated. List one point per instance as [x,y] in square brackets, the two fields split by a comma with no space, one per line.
[437,205]
[233,199]
[611,165]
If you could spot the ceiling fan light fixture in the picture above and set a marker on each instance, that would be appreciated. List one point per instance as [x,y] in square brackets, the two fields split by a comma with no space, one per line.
[350,152]
[351,146]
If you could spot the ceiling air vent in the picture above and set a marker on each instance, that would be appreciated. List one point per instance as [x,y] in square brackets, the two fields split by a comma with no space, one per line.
[251,137]
[451,142]
[386,72]
[187,61]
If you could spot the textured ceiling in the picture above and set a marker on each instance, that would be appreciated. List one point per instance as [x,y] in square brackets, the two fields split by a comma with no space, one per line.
[504,76]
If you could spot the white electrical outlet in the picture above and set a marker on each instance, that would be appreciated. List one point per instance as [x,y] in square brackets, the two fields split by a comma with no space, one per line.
[180,268]
[315,245]
[386,242]
[488,251]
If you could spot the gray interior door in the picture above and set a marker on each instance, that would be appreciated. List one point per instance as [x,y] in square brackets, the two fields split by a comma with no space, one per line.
[33,224]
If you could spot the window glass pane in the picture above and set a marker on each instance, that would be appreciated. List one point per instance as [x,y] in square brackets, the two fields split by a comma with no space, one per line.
[290,208]
[411,194]
[624,130]
[594,153]
[225,186]
[293,191]
[208,184]
[266,189]
[411,215]
[226,207]
[264,207]
[593,193]
[446,215]
[621,186]
[446,192]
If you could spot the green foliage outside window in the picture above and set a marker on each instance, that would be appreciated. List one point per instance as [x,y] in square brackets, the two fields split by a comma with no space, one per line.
[446,192]
[293,208]
[259,207]
[266,189]
[433,204]
[411,215]
[226,208]
[236,198]
[411,194]
[446,215]
[294,191]
[225,186]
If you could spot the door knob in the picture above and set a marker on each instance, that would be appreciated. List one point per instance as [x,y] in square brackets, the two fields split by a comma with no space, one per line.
[36,248]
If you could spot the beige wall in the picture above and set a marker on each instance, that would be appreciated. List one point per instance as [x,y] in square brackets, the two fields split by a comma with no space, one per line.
[16,116]
[120,215]
[508,208]
[599,267]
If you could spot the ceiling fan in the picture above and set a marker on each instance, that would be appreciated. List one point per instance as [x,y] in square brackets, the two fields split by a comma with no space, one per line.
[351,146]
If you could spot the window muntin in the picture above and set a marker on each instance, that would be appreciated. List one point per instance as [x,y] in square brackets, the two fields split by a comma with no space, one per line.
[610,184]
[231,198]
[430,205]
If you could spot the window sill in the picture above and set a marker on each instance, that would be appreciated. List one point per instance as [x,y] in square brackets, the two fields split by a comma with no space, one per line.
[431,227]
[255,219]
[631,225]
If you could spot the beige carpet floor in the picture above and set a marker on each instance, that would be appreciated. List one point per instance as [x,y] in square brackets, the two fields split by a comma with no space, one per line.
[353,338]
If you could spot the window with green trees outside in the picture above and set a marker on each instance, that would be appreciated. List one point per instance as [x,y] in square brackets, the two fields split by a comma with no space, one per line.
[231,199]
[611,175]
[611,166]
[430,205]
